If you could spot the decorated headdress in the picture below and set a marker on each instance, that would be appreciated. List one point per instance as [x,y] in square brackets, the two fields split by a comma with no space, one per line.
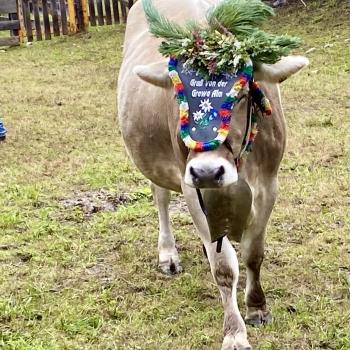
[210,64]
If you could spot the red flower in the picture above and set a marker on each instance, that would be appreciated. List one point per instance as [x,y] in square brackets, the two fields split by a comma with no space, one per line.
[179,87]
[224,112]
[198,147]
[183,120]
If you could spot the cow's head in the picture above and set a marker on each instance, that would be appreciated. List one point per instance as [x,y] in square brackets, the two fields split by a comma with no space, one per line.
[217,168]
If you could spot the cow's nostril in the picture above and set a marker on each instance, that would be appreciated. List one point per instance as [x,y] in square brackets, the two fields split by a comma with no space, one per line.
[219,173]
[193,173]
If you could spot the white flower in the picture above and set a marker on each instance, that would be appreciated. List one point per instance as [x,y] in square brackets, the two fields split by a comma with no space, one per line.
[237,44]
[184,106]
[198,115]
[249,62]
[172,73]
[236,60]
[185,42]
[206,105]
[232,93]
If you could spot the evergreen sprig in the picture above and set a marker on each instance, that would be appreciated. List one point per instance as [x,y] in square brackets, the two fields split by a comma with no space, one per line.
[161,27]
[240,17]
[269,48]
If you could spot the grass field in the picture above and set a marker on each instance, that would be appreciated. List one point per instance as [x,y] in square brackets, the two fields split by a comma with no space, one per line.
[78,257]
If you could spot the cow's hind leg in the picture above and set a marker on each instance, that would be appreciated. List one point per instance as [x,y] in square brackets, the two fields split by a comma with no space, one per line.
[169,261]
[224,267]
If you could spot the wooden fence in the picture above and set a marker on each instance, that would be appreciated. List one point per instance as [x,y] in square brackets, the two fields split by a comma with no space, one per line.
[103,12]
[42,19]
[9,22]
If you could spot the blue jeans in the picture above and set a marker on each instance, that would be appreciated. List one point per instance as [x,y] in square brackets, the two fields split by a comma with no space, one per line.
[2,131]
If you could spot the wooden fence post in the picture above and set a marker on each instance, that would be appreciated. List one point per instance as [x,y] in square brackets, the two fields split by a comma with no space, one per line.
[84,7]
[27,19]
[22,32]
[72,17]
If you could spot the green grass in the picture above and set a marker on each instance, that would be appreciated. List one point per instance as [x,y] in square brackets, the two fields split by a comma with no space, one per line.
[68,281]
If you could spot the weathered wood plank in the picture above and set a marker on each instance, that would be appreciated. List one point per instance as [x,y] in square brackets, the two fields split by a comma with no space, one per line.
[116,11]
[84,8]
[72,16]
[27,20]
[14,17]
[79,16]
[64,21]
[100,13]
[92,13]
[47,27]
[8,6]
[9,25]
[38,32]
[10,41]
[108,12]
[123,8]
[22,32]
[55,22]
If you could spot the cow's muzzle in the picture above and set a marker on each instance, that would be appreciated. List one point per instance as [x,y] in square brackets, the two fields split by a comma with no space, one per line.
[206,171]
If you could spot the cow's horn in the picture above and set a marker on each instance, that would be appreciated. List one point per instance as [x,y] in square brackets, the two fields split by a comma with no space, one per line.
[154,73]
[281,70]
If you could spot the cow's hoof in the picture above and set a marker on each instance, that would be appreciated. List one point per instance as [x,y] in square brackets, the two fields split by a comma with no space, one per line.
[238,342]
[170,266]
[258,318]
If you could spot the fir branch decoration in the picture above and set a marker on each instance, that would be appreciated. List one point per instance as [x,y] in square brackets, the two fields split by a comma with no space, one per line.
[161,27]
[231,36]
[240,17]
[268,48]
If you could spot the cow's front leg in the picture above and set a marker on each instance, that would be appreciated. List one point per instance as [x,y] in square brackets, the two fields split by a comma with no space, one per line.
[169,261]
[224,267]
[252,247]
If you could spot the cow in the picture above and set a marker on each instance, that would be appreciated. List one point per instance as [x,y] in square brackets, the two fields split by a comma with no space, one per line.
[149,123]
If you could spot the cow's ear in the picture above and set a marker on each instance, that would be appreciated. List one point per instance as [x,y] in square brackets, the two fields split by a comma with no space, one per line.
[154,73]
[281,70]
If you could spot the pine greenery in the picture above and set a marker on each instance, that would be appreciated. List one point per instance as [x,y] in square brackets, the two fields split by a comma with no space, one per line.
[240,17]
[160,26]
[269,48]
[231,36]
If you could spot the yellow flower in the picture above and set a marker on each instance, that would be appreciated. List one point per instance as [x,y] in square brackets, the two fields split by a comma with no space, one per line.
[183,113]
[176,80]
[223,132]
[191,144]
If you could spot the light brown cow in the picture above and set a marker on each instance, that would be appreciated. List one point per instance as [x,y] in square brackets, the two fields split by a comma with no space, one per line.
[148,116]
